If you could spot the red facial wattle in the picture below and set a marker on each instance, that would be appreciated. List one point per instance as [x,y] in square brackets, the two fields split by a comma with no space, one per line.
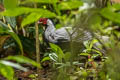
[43,20]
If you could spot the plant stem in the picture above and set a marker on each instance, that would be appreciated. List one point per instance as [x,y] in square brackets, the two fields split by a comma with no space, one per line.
[37,46]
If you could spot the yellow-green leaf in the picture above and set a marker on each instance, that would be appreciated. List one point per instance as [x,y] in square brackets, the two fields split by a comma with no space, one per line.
[14,35]
[16,11]
[69,5]
[16,38]
[41,1]
[22,59]
[10,4]
[6,71]
[25,10]
[45,59]
[110,14]
[30,18]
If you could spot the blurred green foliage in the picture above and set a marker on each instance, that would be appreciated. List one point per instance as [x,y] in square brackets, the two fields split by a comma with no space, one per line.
[98,17]
[6,66]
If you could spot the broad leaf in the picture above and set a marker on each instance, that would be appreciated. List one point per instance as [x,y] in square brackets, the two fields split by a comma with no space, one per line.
[7,31]
[41,1]
[97,52]
[6,71]
[22,59]
[11,21]
[56,48]
[53,57]
[3,25]
[10,4]
[45,59]
[45,13]
[67,56]
[70,5]
[15,65]
[58,51]
[24,10]
[93,42]
[16,38]
[16,11]
[31,18]
[110,14]
[36,14]
[116,6]
[95,20]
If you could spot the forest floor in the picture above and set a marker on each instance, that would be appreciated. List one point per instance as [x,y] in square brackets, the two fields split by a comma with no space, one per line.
[31,74]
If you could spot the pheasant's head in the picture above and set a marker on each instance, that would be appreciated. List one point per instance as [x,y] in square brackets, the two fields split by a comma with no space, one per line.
[43,21]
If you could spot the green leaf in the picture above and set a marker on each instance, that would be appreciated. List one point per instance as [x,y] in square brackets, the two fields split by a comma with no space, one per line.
[6,71]
[22,59]
[116,6]
[8,4]
[69,5]
[30,18]
[97,52]
[3,25]
[24,10]
[94,56]
[95,20]
[15,65]
[84,54]
[41,1]
[87,44]
[53,56]
[58,26]
[56,48]
[67,56]
[14,35]
[33,76]
[11,21]
[45,13]
[16,38]
[17,11]
[58,51]
[93,42]
[36,14]
[110,14]
[45,59]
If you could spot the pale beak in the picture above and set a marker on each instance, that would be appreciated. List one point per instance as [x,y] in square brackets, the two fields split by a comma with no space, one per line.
[39,22]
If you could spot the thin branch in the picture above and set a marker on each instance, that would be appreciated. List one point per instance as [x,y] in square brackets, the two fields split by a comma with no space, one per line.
[37,46]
